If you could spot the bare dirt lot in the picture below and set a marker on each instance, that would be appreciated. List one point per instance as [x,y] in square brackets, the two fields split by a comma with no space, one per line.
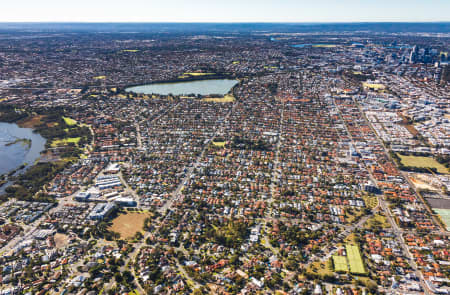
[61,240]
[128,224]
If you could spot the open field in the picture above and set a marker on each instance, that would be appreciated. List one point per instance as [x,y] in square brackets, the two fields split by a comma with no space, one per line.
[226,98]
[425,162]
[69,121]
[61,240]
[321,268]
[351,217]
[219,143]
[188,75]
[65,141]
[445,216]
[198,74]
[354,259]
[374,86]
[377,220]
[128,224]
[340,263]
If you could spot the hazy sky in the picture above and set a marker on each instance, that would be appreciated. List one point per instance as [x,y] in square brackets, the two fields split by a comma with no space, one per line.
[224,10]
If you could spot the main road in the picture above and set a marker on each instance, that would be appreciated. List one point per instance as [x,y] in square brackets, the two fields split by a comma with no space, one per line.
[383,205]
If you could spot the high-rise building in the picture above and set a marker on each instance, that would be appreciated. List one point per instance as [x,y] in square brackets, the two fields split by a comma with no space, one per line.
[414,54]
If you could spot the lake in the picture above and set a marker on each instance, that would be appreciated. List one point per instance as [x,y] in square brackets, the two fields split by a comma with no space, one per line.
[202,87]
[300,45]
[14,151]
[313,45]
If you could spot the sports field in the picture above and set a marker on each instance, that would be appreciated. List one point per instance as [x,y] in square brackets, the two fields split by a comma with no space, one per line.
[219,143]
[69,121]
[425,162]
[59,142]
[374,86]
[445,216]
[198,74]
[226,98]
[340,263]
[128,224]
[355,260]
[61,240]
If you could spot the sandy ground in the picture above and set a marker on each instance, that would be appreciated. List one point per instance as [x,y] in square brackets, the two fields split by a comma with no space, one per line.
[127,225]
[61,240]
[422,185]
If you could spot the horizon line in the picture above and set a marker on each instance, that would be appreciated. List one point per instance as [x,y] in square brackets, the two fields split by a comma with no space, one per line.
[225,22]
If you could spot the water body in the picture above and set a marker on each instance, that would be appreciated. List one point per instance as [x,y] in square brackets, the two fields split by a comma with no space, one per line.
[400,47]
[202,87]
[18,153]
[301,45]
[311,45]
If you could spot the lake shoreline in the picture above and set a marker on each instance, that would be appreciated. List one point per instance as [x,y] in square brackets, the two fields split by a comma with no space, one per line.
[50,126]
[197,87]
[32,144]
[215,76]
